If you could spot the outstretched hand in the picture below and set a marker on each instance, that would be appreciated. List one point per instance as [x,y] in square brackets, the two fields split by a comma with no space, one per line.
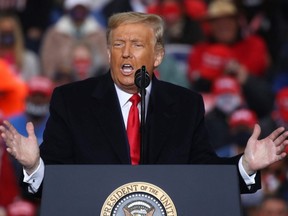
[23,149]
[259,154]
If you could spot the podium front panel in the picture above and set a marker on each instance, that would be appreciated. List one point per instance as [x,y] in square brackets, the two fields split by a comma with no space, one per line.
[93,190]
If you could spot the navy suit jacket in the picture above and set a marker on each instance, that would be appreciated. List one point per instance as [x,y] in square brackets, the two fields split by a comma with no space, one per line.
[86,127]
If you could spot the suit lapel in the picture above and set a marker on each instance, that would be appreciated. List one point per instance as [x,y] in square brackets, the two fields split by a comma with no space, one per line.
[109,116]
[162,112]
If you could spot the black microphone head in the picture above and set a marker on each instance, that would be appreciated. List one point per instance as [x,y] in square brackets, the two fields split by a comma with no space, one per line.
[142,78]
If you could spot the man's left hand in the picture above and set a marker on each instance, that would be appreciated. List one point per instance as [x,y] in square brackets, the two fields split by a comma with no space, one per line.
[259,154]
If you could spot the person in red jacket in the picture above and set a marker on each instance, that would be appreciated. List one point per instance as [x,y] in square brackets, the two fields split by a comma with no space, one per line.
[226,50]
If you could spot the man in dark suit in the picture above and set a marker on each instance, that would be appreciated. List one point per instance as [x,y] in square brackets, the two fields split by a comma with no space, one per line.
[88,119]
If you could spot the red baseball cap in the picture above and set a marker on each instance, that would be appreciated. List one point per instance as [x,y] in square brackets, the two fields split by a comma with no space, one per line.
[169,10]
[214,61]
[244,117]
[195,8]
[225,85]
[282,103]
[40,84]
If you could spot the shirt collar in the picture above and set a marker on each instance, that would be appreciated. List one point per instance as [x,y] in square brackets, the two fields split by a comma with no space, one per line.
[124,96]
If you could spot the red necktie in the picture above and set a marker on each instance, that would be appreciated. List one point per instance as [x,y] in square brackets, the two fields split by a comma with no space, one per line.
[133,130]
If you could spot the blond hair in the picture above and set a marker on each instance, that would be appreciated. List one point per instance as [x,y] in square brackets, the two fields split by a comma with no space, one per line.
[154,21]
[19,47]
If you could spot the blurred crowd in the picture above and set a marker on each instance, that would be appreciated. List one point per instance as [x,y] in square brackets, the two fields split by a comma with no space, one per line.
[233,52]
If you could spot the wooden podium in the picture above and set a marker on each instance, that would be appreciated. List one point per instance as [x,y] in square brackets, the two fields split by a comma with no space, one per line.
[152,190]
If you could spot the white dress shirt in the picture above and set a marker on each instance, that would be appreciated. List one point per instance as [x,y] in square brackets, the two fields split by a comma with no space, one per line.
[125,103]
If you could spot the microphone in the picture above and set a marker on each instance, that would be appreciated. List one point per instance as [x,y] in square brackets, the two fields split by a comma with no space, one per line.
[142,78]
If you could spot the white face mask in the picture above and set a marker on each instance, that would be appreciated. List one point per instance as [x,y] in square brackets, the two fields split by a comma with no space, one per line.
[37,110]
[227,103]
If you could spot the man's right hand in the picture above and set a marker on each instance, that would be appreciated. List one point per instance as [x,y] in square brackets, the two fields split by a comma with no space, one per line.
[23,149]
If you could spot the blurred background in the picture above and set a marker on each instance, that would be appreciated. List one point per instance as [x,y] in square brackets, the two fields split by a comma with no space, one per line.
[233,52]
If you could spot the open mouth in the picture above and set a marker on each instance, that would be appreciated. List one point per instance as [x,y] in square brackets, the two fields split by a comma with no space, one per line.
[127,69]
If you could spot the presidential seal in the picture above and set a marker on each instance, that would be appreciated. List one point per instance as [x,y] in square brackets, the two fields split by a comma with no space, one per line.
[138,199]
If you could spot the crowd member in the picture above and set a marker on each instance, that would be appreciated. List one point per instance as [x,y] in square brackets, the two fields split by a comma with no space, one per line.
[180,27]
[13,91]
[274,178]
[77,24]
[228,97]
[36,107]
[225,31]
[182,30]
[267,19]
[229,94]
[241,123]
[24,62]
[82,63]
[34,17]
[273,205]
[96,6]
[89,119]
[216,62]
[279,116]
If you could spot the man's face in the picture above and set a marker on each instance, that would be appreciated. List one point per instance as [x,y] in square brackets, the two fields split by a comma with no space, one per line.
[130,47]
[224,29]
[78,14]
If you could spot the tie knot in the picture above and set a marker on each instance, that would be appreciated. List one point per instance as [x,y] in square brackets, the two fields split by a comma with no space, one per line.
[135,99]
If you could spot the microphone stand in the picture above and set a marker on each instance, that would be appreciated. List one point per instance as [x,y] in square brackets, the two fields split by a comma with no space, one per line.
[143,108]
